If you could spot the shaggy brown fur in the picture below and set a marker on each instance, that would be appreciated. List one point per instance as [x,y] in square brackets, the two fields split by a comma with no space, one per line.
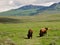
[43,31]
[29,35]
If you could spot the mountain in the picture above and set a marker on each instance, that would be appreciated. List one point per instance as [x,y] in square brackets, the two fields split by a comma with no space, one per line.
[53,9]
[33,10]
[25,10]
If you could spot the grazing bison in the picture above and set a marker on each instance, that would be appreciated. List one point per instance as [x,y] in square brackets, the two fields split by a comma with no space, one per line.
[43,31]
[29,35]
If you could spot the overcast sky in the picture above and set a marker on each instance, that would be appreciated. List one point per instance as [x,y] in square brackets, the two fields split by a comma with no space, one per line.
[9,4]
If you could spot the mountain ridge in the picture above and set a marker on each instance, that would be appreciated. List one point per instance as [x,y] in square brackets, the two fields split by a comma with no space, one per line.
[31,10]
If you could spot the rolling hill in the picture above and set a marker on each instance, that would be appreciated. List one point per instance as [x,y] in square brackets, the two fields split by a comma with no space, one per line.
[30,10]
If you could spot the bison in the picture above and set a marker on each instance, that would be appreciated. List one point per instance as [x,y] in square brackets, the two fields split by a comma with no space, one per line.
[30,32]
[43,31]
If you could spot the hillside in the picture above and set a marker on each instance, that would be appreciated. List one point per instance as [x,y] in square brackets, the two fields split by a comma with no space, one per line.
[30,10]
[25,19]
[53,9]
[25,10]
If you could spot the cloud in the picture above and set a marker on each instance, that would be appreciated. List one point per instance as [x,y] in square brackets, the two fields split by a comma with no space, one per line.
[26,1]
[45,4]
[46,1]
[8,4]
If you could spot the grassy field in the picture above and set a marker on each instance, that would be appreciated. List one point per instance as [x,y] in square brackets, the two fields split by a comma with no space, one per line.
[17,31]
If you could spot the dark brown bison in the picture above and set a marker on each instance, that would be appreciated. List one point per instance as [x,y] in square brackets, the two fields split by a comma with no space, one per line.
[43,31]
[29,35]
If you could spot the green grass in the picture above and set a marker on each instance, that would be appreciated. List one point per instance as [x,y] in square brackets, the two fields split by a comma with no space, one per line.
[17,32]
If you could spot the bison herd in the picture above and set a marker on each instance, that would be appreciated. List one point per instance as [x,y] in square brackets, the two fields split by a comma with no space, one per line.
[42,32]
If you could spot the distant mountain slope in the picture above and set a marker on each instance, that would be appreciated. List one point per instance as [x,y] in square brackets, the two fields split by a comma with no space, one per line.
[33,10]
[53,9]
[25,10]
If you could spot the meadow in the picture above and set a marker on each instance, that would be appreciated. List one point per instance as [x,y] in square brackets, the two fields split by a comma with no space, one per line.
[16,28]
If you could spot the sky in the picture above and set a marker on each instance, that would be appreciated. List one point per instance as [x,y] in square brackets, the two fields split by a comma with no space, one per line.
[12,4]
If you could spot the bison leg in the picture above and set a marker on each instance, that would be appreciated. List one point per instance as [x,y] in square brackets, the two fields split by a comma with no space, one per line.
[31,36]
[28,36]
[41,34]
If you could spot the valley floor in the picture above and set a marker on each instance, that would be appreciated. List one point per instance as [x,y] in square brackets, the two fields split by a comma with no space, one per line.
[17,33]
